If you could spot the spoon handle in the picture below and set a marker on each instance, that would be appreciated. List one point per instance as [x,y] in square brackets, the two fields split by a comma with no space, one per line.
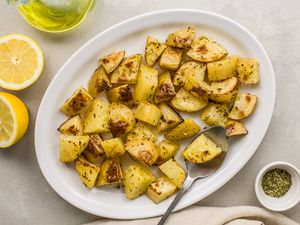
[186,186]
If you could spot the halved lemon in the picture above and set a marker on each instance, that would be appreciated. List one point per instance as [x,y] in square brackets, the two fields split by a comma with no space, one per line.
[14,119]
[21,61]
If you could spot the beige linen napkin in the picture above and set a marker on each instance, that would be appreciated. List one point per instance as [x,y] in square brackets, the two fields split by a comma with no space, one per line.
[196,215]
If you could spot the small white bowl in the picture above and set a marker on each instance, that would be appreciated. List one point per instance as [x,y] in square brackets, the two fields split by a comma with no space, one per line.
[290,199]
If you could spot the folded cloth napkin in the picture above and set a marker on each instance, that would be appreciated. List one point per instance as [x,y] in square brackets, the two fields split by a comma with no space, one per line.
[196,215]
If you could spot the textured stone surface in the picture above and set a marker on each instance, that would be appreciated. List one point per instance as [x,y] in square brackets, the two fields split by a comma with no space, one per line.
[26,198]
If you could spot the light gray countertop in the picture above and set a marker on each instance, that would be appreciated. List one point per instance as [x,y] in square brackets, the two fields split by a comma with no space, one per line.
[26,197]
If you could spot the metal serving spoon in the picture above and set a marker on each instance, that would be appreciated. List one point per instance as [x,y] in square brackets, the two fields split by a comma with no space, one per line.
[198,171]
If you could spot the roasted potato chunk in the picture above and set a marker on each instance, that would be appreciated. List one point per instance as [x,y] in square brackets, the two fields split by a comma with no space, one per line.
[121,119]
[110,172]
[160,189]
[122,94]
[222,69]
[171,58]
[153,50]
[94,151]
[142,132]
[112,61]
[113,147]
[186,102]
[197,88]
[72,126]
[215,114]
[186,129]
[99,82]
[128,71]
[137,179]
[243,106]
[97,118]
[71,147]
[165,90]
[148,113]
[169,119]
[235,128]
[142,150]
[77,103]
[224,91]
[146,84]
[87,172]
[204,49]
[166,150]
[248,70]
[201,150]
[182,38]
[174,172]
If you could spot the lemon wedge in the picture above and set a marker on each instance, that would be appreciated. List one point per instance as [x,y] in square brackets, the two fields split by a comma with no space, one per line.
[21,61]
[14,119]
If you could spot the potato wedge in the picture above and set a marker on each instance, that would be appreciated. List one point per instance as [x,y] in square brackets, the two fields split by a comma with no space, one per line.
[153,50]
[146,84]
[204,49]
[112,61]
[113,147]
[169,119]
[171,58]
[97,118]
[99,82]
[182,38]
[186,129]
[165,90]
[215,114]
[235,128]
[197,88]
[166,150]
[121,119]
[94,151]
[248,70]
[161,189]
[186,102]
[71,147]
[122,94]
[128,71]
[224,91]
[77,103]
[222,69]
[174,172]
[187,69]
[142,150]
[110,172]
[87,172]
[72,126]
[148,113]
[201,150]
[244,105]
[142,132]
[137,179]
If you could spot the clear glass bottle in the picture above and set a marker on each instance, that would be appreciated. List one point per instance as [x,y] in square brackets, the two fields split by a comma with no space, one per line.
[53,15]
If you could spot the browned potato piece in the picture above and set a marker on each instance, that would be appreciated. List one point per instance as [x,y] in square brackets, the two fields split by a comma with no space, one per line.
[146,84]
[166,150]
[169,119]
[121,119]
[174,172]
[248,70]
[142,132]
[122,94]
[77,103]
[148,113]
[87,172]
[224,91]
[72,126]
[165,90]
[186,129]
[197,88]
[94,151]
[215,114]
[113,147]
[110,172]
[171,58]
[206,50]
[142,150]
[111,61]
[235,128]
[99,82]
[222,69]
[128,71]
[160,189]
[153,50]
[182,38]
[243,106]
